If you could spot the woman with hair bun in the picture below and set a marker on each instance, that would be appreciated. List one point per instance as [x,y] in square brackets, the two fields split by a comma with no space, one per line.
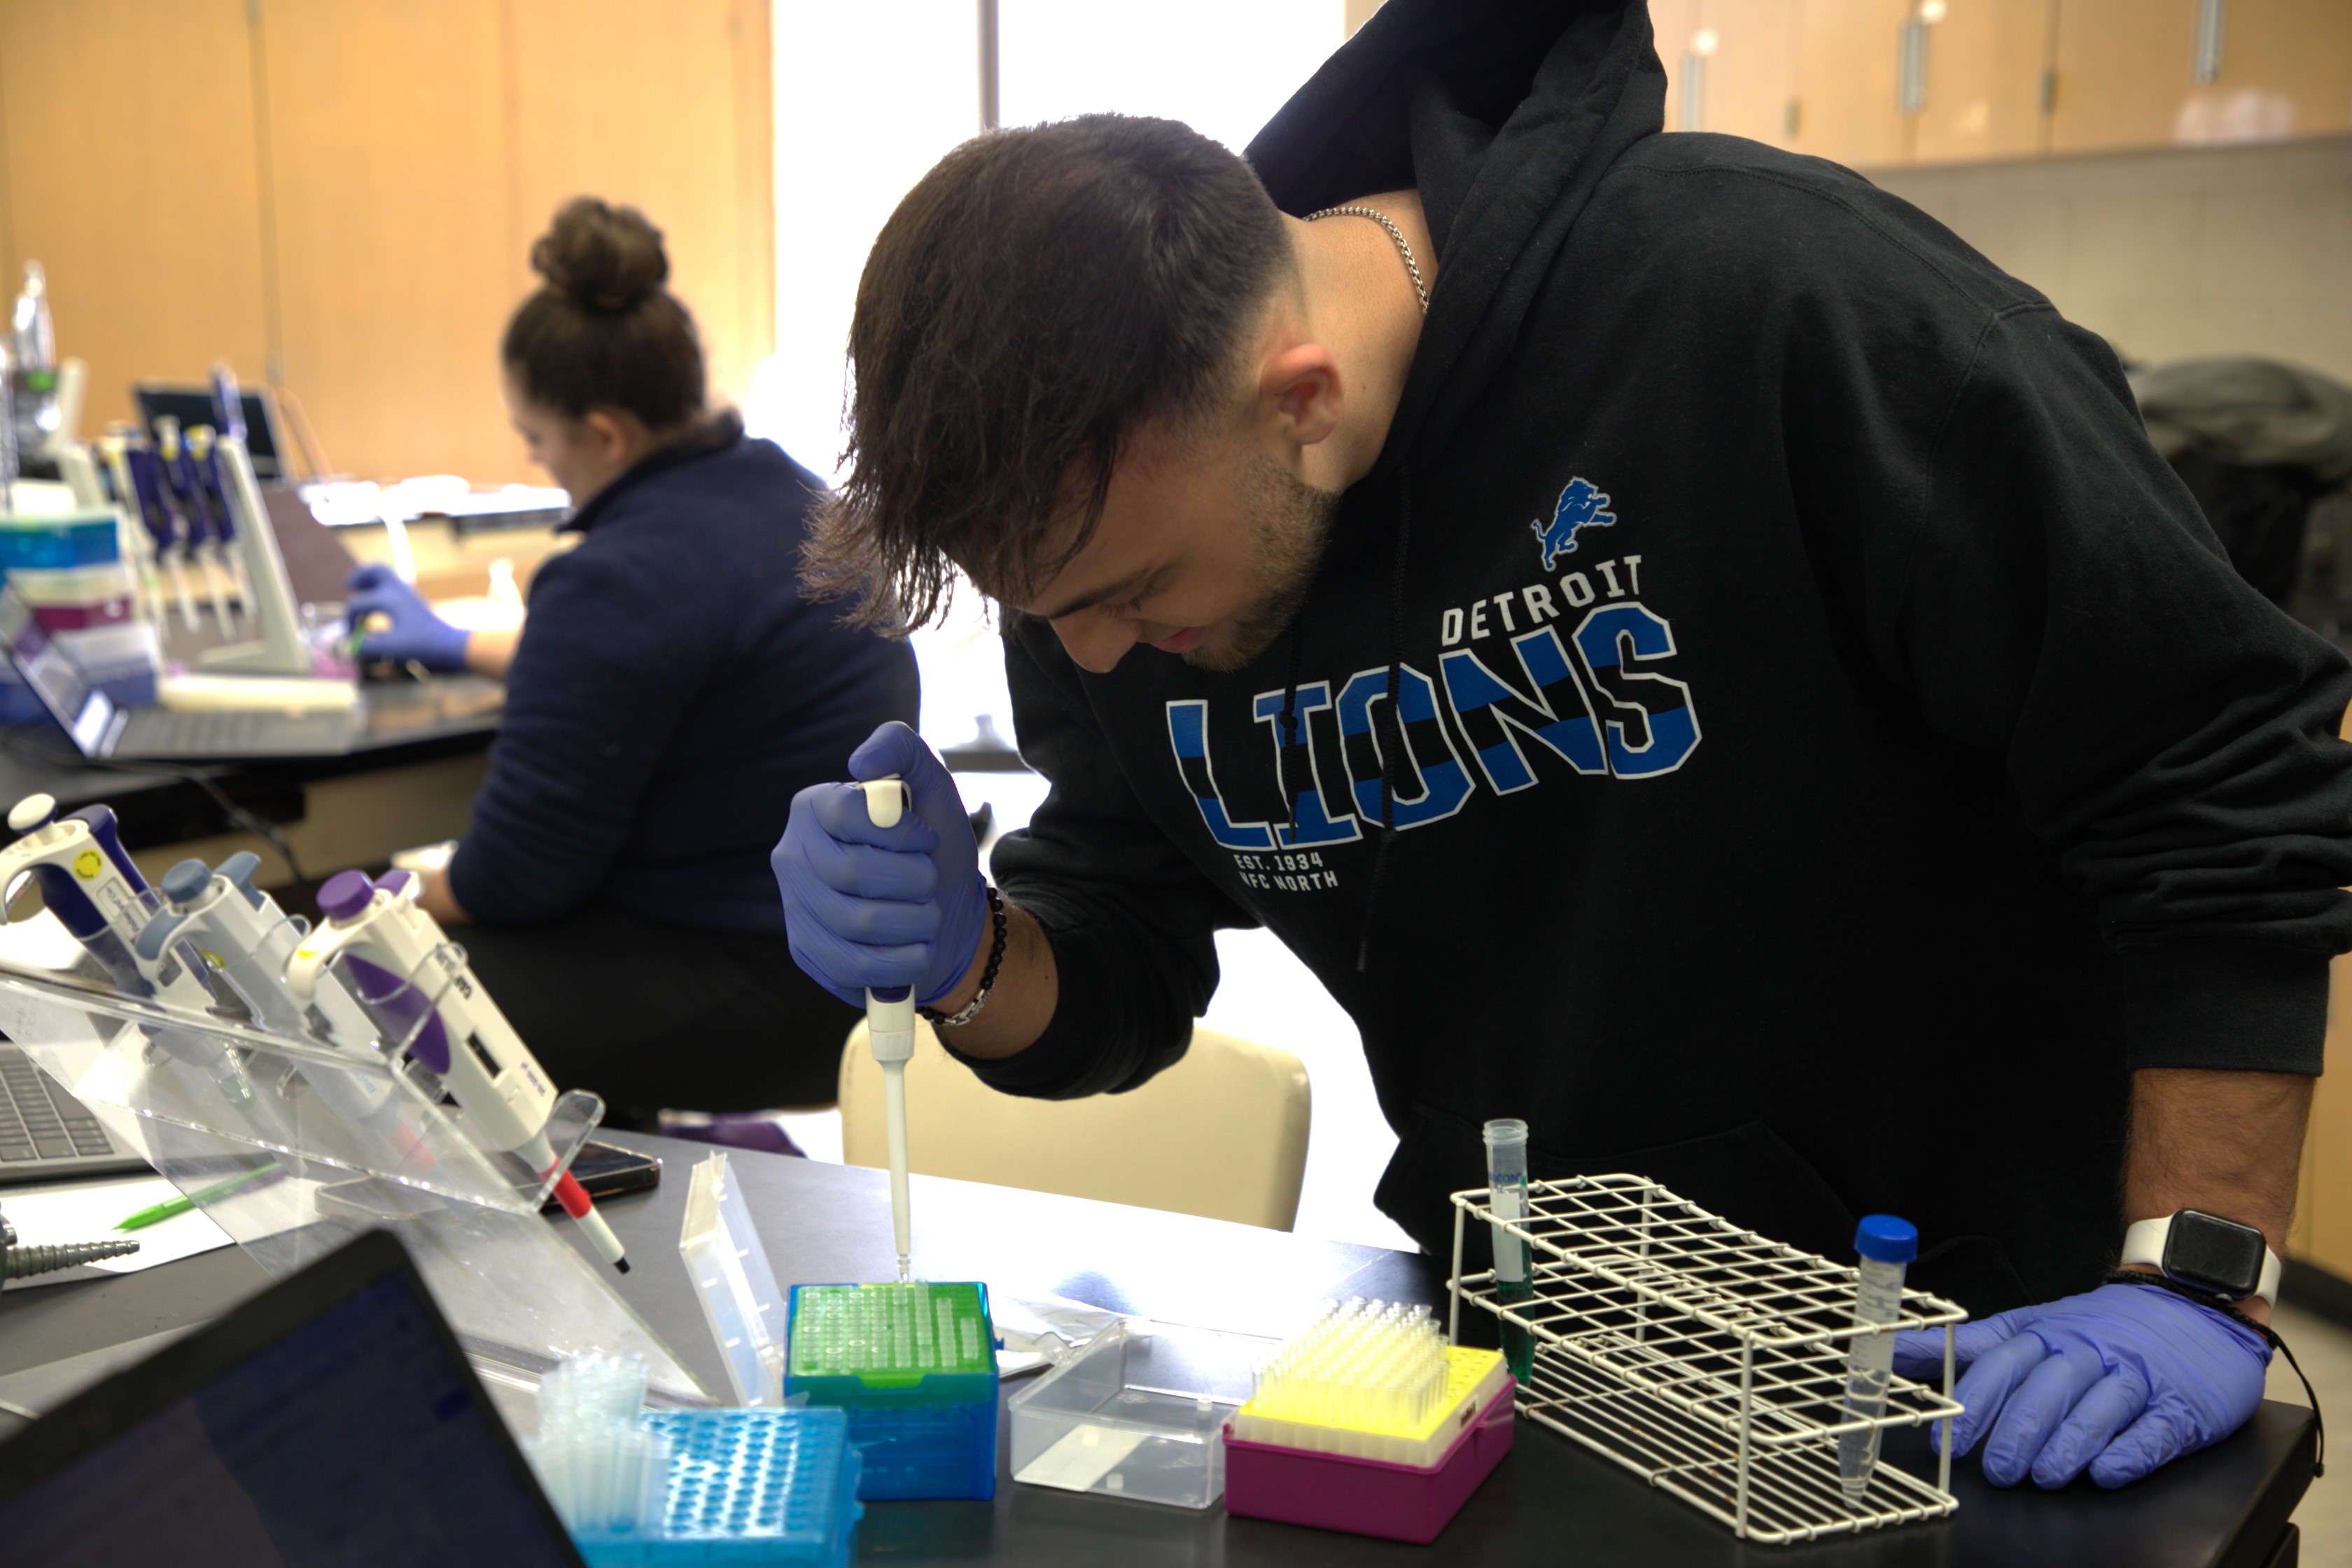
[667,695]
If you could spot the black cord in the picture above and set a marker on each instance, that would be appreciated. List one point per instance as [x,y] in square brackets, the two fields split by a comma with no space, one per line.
[2228,1309]
[17,738]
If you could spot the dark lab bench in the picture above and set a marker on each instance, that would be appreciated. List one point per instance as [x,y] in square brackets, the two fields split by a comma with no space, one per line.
[1551,1503]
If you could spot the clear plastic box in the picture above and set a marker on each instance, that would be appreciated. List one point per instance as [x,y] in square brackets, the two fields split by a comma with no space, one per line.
[1139,1413]
[733,1281]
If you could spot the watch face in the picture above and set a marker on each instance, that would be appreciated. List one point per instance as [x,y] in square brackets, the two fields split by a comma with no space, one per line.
[2214,1254]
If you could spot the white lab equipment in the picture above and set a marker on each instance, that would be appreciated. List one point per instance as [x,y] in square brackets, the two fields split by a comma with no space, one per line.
[89,883]
[247,940]
[418,985]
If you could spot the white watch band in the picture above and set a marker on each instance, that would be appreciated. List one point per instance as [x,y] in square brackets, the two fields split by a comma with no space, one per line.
[2144,1243]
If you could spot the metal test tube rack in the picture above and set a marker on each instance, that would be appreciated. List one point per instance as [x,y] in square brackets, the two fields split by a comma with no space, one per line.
[1708,1360]
[519,1292]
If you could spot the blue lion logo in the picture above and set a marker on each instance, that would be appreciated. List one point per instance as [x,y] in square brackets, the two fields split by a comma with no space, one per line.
[1581,506]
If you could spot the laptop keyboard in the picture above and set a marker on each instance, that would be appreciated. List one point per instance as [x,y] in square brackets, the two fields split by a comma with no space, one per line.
[39,1119]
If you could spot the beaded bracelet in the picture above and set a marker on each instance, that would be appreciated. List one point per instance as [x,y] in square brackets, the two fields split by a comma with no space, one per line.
[987,977]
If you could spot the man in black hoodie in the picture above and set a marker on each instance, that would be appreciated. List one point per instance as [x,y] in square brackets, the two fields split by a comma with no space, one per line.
[1688,653]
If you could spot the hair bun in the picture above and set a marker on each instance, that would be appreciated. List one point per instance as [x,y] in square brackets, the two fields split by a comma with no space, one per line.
[605,257]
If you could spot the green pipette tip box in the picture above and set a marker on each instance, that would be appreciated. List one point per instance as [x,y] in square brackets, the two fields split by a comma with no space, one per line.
[915,1366]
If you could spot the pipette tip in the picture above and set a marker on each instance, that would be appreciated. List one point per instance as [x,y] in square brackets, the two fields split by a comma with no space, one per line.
[906,1271]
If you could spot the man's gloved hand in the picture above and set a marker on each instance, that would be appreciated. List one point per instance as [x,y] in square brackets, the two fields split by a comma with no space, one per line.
[868,907]
[415,632]
[2117,1382]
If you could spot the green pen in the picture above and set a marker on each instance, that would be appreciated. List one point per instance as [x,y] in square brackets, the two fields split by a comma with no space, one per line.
[188,1201]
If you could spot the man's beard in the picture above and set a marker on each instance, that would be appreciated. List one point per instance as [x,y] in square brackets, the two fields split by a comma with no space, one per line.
[1290,521]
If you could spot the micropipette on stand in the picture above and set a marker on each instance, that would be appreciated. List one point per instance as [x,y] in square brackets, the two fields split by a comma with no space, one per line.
[890,1031]
[212,541]
[178,540]
[137,534]
[392,949]
[89,883]
[247,939]
[228,403]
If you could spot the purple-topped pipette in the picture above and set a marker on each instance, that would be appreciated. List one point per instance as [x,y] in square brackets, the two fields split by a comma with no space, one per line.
[415,981]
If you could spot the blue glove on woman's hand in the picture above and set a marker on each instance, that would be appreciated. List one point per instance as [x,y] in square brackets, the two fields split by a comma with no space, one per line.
[2118,1381]
[871,907]
[415,632]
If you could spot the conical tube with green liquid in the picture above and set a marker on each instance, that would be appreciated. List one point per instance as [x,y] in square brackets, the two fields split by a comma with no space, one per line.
[1506,1199]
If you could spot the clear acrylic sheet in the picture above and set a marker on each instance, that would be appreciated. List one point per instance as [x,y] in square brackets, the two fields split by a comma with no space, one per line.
[362,1143]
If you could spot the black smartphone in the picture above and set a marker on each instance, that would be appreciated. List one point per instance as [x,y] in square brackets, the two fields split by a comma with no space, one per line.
[604,1170]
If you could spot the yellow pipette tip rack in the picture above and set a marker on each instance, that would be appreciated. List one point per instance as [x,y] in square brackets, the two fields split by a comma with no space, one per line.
[1371,1381]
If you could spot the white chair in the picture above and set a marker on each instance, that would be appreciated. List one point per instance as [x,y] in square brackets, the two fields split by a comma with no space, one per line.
[1222,1133]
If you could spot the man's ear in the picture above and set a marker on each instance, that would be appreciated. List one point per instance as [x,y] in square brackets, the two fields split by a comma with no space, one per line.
[1299,388]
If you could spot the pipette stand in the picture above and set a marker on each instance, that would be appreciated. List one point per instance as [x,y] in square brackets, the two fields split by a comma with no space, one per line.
[521,1295]
[280,649]
[1706,1359]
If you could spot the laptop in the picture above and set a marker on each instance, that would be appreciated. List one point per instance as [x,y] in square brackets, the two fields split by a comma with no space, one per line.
[329,1419]
[48,1135]
[101,729]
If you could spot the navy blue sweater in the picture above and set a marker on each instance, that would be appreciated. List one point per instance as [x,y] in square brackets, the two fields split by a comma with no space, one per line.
[670,694]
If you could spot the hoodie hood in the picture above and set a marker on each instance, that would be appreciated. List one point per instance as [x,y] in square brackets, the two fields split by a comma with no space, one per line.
[1504,114]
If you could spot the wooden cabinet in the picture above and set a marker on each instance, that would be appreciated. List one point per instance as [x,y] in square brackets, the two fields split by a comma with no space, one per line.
[395,230]
[338,194]
[592,81]
[2004,79]
[1986,61]
[1847,54]
[128,169]
[1749,50]
[2125,73]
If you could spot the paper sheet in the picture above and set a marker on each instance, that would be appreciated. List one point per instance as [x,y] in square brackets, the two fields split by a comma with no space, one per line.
[89,1211]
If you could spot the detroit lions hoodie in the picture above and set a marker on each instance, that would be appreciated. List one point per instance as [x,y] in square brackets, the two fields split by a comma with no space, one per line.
[1769,719]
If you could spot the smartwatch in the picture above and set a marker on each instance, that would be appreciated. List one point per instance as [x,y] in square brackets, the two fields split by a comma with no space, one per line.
[2216,1255]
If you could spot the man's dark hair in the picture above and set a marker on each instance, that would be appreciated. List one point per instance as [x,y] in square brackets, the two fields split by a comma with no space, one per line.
[602,332]
[1037,298]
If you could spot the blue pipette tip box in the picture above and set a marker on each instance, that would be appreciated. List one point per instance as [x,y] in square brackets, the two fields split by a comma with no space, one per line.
[914,1365]
[746,1486]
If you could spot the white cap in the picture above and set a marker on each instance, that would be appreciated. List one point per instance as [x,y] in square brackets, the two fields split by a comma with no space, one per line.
[31,811]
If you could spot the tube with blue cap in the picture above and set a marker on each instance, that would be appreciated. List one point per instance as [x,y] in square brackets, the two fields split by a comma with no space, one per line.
[1887,1246]
[890,1032]
[89,882]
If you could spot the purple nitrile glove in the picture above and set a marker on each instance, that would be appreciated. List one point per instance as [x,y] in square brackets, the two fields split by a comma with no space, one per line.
[867,907]
[2118,1381]
[415,632]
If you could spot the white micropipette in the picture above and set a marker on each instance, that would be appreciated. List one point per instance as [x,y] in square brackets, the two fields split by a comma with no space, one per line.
[890,1030]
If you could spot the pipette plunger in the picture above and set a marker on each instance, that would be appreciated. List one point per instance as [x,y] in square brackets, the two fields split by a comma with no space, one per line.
[890,1030]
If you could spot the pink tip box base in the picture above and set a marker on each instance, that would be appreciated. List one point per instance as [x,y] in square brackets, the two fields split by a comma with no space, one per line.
[1367,1497]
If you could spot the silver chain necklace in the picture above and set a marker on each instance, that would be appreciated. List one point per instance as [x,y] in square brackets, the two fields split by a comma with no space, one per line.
[1395,233]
